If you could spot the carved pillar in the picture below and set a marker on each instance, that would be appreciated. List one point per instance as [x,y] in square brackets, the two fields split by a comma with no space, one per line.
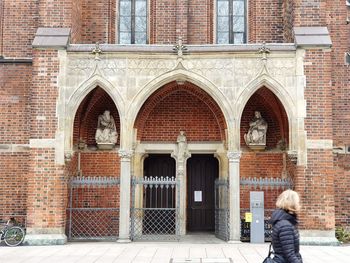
[125,178]
[234,195]
[181,157]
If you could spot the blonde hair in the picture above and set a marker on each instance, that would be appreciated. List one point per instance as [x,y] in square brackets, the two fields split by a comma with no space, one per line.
[289,200]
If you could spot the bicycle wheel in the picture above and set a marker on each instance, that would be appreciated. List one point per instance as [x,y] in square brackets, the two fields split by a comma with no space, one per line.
[14,236]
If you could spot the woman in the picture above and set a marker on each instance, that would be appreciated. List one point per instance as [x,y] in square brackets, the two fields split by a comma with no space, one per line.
[285,235]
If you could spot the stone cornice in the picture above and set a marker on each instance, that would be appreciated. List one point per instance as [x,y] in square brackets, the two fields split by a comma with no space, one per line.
[189,48]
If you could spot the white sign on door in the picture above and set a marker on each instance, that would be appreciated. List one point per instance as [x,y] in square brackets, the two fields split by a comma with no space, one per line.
[198,196]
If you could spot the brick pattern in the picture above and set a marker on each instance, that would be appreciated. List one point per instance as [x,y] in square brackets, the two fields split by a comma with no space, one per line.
[310,12]
[200,21]
[163,22]
[18,23]
[342,193]
[272,111]
[261,164]
[13,181]
[174,108]
[100,163]
[288,21]
[47,181]
[98,21]
[47,190]
[15,81]
[265,21]
[52,13]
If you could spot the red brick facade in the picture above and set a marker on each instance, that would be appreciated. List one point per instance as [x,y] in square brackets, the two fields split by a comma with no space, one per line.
[29,93]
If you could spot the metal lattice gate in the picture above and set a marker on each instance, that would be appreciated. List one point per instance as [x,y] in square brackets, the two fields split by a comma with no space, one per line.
[222,212]
[155,208]
[93,212]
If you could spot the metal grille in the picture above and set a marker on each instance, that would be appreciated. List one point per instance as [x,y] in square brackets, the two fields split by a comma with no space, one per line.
[156,218]
[267,183]
[222,223]
[93,212]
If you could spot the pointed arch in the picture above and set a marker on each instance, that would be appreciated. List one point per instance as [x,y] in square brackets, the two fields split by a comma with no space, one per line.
[180,75]
[275,87]
[280,92]
[78,96]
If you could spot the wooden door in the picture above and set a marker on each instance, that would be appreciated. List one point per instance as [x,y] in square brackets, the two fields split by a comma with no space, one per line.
[202,170]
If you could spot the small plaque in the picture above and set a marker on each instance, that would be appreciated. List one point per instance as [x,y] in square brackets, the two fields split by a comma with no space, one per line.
[249,217]
[198,196]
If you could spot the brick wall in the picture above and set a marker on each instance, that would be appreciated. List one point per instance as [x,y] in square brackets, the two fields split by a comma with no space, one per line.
[272,111]
[265,21]
[98,21]
[200,21]
[18,24]
[13,181]
[342,190]
[163,22]
[316,183]
[15,81]
[47,181]
[174,108]
[261,164]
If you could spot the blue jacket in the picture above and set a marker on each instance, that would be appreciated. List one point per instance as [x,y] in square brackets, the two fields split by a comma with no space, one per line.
[285,237]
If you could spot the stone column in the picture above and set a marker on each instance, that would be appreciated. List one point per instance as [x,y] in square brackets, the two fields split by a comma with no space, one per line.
[234,194]
[181,157]
[125,179]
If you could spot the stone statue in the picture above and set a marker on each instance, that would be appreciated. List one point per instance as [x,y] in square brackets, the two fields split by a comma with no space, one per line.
[257,131]
[106,132]
[182,146]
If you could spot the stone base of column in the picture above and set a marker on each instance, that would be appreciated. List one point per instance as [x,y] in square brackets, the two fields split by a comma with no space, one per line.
[123,240]
[45,237]
[318,237]
[234,242]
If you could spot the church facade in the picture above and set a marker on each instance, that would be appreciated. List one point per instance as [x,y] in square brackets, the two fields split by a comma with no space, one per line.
[141,119]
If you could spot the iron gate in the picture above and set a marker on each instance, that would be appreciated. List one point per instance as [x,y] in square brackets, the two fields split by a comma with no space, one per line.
[155,208]
[222,212]
[93,212]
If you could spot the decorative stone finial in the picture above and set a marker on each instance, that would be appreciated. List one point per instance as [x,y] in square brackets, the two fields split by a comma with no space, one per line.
[264,51]
[179,47]
[97,51]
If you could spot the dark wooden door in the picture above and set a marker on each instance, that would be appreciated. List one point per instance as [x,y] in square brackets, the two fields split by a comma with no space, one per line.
[202,170]
[159,165]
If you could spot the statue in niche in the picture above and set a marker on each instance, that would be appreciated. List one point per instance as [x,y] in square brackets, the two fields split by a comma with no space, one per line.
[106,133]
[256,135]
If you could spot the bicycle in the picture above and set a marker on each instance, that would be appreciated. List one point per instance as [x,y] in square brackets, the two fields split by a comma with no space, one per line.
[12,234]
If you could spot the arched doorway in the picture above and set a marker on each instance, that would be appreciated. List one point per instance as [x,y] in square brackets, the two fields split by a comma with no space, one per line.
[183,108]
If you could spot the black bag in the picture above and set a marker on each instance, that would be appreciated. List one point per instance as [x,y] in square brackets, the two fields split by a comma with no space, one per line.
[269,259]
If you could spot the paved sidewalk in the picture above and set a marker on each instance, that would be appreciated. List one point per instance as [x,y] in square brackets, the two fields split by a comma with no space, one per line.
[162,253]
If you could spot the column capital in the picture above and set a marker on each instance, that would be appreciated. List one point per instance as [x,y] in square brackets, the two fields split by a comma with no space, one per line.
[126,154]
[234,156]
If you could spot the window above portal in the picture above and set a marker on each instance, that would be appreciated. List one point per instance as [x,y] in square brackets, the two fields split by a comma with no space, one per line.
[231,22]
[132,21]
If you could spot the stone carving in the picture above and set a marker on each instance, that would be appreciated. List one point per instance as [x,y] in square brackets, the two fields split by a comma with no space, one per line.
[106,133]
[182,152]
[179,48]
[256,136]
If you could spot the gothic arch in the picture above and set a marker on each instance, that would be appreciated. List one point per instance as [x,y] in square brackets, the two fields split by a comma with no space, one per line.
[180,75]
[279,91]
[78,96]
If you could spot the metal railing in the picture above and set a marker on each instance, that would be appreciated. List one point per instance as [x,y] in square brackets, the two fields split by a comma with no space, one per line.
[222,212]
[155,208]
[93,212]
